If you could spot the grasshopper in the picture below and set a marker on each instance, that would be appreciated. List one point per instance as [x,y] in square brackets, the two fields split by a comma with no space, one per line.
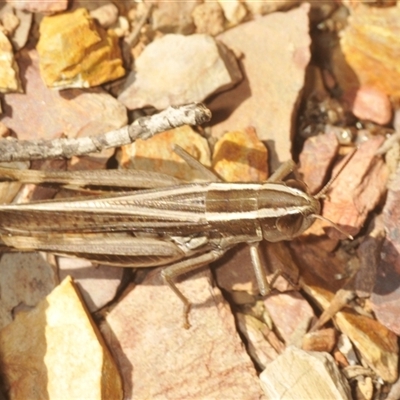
[180,226]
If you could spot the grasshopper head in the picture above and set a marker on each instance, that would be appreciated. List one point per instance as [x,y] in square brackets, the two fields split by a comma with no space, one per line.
[285,212]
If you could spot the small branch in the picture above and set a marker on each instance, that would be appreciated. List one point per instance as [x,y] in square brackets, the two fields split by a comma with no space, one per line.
[142,128]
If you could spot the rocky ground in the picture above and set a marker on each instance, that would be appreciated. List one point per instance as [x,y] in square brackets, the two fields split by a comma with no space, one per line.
[283,80]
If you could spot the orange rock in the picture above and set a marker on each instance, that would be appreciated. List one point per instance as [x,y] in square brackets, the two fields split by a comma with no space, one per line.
[55,351]
[156,154]
[75,52]
[239,156]
[366,50]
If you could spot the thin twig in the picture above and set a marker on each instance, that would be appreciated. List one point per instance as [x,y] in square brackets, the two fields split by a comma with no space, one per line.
[142,128]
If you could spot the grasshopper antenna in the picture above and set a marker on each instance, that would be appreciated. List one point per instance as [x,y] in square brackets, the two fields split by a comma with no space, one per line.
[320,217]
[323,191]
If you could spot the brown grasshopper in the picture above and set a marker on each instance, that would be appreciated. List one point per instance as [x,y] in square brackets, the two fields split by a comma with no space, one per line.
[180,226]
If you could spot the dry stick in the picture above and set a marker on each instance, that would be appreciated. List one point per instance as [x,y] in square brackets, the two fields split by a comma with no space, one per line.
[142,128]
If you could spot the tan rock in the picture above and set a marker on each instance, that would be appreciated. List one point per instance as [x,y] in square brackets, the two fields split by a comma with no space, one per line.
[45,113]
[235,11]
[299,374]
[267,99]
[240,157]
[106,15]
[209,18]
[156,154]
[193,68]
[55,351]
[26,278]
[174,16]
[69,63]
[9,78]
[157,356]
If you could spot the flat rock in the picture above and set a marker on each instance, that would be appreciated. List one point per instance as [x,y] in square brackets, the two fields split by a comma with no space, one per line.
[19,34]
[159,359]
[68,63]
[240,156]
[98,284]
[47,114]
[156,154]
[9,72]
[26,278]
[299,374]
[193,68]
[63,351]
[268,97]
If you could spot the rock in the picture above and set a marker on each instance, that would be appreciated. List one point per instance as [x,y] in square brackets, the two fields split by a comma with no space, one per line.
[157,356]
[26,278]
[386,293]
[98,284]
[209,18]
[299,374]
[240,157]
[9,21]
[234,10]
[67,63]
[261,352]
[369,103]
[174,17]
[9,78]
[316,158]
[156,154]
[268,7]
[106,15]
[367,45]
[44,113]
[288,312]
[20,35]
[375,343]
[322,340]
[357,190]
[39,6]
[267,98]
[60,346]
[193,68]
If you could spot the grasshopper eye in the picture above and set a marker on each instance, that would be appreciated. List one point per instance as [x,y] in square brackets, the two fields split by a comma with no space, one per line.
[290,225]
